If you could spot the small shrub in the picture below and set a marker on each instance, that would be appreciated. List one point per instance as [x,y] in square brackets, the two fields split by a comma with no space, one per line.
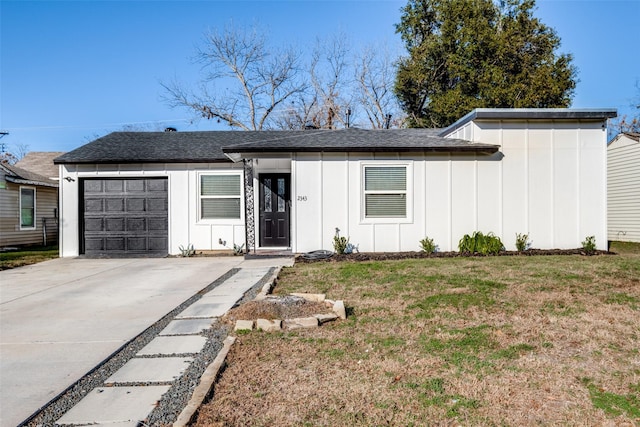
[484,244]
[340,243]
[589,244]
[428,246]
[187,251]
[522,242]
[238,249]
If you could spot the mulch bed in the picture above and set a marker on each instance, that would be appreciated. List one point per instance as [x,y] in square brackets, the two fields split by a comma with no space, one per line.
[383,256]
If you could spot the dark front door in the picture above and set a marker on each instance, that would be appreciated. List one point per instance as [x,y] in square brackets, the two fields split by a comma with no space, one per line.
[274,209]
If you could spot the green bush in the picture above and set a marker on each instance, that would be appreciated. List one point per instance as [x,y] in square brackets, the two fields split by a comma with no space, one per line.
[340,243]
[428,246]
[589,244]
[484,244]
[522,242]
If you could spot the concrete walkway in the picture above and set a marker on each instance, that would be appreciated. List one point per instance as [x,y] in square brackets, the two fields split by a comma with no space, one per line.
[61,318]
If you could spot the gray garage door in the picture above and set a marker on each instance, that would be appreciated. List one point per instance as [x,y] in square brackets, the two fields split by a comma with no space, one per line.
[124,216]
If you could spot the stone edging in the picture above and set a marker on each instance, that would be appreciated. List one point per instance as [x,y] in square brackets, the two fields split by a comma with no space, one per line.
[266,325]
[204,387]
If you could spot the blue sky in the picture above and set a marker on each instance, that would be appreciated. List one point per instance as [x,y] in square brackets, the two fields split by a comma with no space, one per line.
[74,70]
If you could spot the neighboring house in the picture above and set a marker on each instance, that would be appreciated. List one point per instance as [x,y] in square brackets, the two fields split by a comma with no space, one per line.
[507,171]
[623,187]
[28,207]
[41,162]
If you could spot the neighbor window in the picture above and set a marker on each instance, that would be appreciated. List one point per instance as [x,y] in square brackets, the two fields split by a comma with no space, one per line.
[385,191]
[27,207]
[220,196]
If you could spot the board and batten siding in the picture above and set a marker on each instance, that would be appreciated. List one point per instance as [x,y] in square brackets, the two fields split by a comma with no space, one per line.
[46,207]
[623,189]
[185,226]
[548,181]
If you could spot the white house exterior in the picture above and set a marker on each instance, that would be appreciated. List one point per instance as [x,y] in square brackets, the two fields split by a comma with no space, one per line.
[623,187]
[540,172]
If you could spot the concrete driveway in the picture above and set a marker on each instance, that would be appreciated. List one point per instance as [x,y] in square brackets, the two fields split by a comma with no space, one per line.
[60,318]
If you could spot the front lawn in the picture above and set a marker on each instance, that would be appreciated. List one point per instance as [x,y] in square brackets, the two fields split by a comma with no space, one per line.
[549,340]
[27,256]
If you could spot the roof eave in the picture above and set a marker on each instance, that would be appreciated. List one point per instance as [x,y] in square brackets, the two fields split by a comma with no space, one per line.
[21,181]
[531,114]
[138,161]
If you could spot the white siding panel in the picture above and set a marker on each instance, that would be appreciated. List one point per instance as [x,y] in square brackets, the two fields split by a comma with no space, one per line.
[437,205]
[489,212]
[463,198]
[566,190]
[515,199]
[335,179]
[541,191]
[592,185]
[308,214]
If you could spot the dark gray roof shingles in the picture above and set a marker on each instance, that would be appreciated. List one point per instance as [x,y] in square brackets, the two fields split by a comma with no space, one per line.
[211,146]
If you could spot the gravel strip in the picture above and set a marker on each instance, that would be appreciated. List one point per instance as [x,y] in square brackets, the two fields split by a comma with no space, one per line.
[178,395]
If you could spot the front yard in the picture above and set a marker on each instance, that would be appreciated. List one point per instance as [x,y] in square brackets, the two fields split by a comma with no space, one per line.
[549,340]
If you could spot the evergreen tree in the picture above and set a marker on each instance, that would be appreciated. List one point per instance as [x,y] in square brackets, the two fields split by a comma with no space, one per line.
[466,54]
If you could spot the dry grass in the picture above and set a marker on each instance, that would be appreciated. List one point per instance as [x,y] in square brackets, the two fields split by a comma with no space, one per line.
[485,341]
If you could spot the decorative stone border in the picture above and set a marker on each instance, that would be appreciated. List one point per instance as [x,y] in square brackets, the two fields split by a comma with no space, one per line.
[266,325]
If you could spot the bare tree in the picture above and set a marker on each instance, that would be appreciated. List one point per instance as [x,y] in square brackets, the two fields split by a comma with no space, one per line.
[13,153]
[374,75]
[257,79]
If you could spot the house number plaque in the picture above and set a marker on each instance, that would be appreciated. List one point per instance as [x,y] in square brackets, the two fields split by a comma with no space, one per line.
[302,198]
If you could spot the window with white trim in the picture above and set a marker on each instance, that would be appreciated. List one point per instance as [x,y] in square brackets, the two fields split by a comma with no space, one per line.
[385,191]
[220,196]
[27,208]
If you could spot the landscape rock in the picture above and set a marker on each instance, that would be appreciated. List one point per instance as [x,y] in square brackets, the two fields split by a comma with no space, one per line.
[311,297]
[243,325]
[324,318]
[269,325]
[301,322]
[339,309]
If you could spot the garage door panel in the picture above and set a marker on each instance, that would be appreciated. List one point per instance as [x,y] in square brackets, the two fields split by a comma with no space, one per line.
[94,205]
[137,244]
[93,244]
[157,224]
[93,186]
[157,185]
[125,216]
[115,244]
[136,224]
[157,205]
[113,186]
[114,224]
[135,185]
[94,224]
[136,205]
[114,205]
[157,243]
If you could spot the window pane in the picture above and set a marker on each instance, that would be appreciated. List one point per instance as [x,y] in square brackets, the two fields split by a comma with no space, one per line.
[385,205]
[267,195]
[280,194]
[220,185]
[27,207]
[385,178]
[220,208]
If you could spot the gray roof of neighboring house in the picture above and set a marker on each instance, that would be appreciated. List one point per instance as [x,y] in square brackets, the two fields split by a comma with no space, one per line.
[21,176]
[532,114]
[40,162]
[211,146]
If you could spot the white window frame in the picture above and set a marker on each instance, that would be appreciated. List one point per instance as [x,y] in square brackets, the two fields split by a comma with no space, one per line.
[408,192]
[35,224]
[200,197]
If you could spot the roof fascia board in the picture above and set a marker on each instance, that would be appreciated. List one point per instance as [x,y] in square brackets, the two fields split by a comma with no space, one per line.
[30,182]
[531,114]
